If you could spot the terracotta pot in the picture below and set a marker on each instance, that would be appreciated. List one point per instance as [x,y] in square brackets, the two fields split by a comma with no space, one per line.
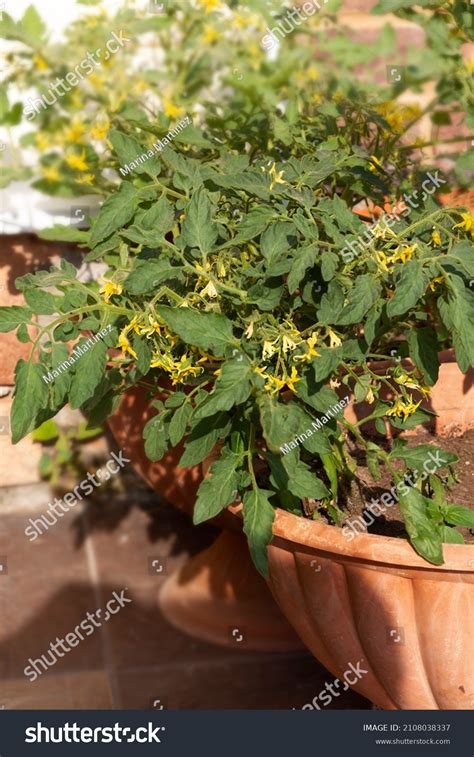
[374,600]
[219,589]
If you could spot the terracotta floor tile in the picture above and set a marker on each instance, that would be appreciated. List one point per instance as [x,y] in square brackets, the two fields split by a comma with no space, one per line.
[75,691]
[263,682]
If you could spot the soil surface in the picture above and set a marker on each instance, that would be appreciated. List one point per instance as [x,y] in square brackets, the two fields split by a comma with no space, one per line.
[390,521]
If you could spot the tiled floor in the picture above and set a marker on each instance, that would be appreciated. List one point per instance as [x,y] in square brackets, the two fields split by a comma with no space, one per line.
[136,659]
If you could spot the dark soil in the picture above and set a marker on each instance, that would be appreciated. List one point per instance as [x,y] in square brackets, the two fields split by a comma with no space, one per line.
[390,522]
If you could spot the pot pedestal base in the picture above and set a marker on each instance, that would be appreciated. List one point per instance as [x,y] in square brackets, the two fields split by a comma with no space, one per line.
[218,596]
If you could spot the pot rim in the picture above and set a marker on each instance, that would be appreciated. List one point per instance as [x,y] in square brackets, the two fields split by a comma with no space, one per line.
[326,540]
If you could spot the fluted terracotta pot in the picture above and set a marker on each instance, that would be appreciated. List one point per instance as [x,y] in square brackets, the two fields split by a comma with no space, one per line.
[374,600]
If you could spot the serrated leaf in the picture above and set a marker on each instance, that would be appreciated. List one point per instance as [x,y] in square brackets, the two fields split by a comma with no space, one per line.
[89,369]
[30,397]
[41,302]
[203,438]
[304,259]
[231,388]
[208,331]
[259,515]
[360,299]
[116,211]
[423,532]
[13,316]
[198,228]
[410,287]
[155,437]
[423,346]
[219,488]
[458,515]
[179,422]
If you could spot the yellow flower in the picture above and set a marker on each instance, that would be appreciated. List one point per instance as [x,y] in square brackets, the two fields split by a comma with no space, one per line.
[210,35]
[370,396]
[334,340]
[276,178]
[403,254]
[42,142]
[109,289]
[268,350]
[209,290]
[316,99]
[39,62]
[249,330]
[435,237]
[209,5]
[274,384]
[291,380]
[100,130]
[435,281]
[153,327]
[172,111]
[375,163]
[124,344]
[50,174]
[88,179]
[382,260]
[77,162]
[404,408]
[75,131]
[288,344]
[466,223]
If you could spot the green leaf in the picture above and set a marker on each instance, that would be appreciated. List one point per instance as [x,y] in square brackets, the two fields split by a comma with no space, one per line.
[458,515]
[155,437]
[47,432]
[198,229]
[326,365]
[30,397]
[13,316]
[304,259]
[61,233]
[32,24]
[411,286]
[259,515]
[362,296]
[88,372]
[41,302]
[450,535]
[128,149]
[179,422]
[148,275]
[253,223]
[62,382]
[203,438]
[116,211]
[208,331]
[302,482]
[423,532]
[219,488]
[456,309]
[232,387]
[275,241]
[416,457]
[423,346]
[159,218]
